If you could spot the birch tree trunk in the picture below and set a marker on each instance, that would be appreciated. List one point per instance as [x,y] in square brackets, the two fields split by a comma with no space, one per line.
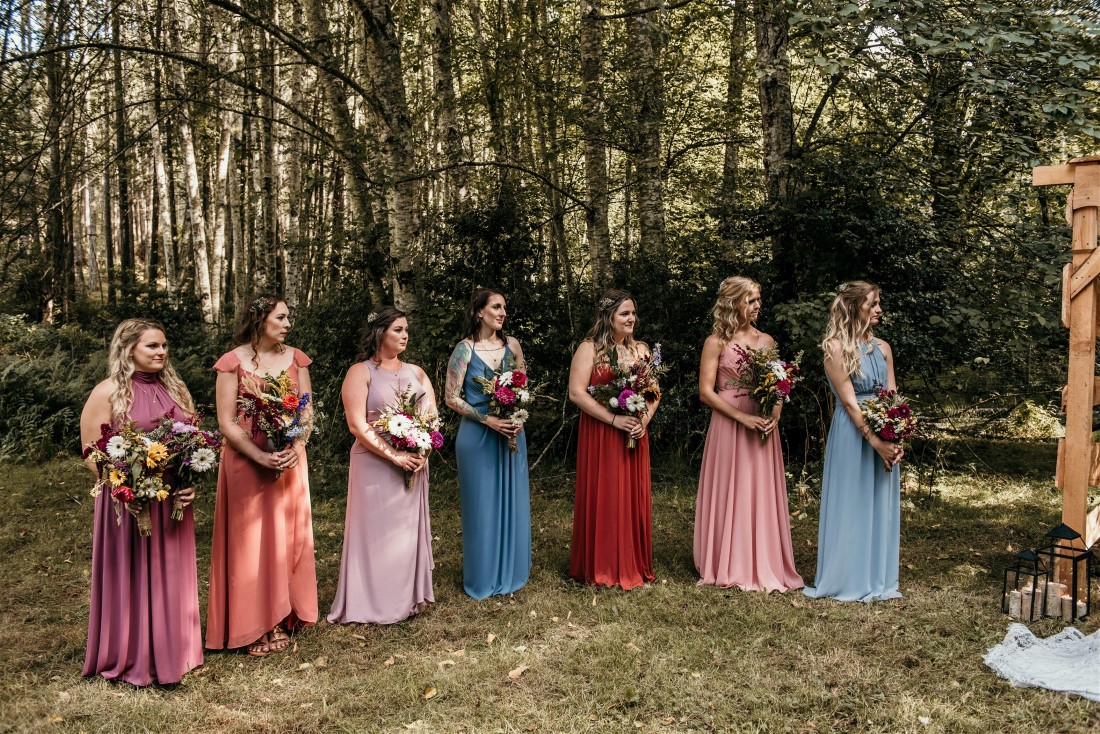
[122,162]
[384,59]
[594,126]
[645,43]
[446,122]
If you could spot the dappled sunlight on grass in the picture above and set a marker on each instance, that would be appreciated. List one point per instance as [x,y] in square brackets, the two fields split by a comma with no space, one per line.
[670,657]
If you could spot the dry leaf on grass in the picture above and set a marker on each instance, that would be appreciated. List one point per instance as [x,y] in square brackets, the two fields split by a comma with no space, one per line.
[459,653]
[389,661]
[668,720]
[429,693]
[489,638]
[517,672]
[444,663]
[593,601]
[305,666]
[520,648]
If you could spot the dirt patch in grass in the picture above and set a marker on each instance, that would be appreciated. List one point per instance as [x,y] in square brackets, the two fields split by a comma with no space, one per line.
[670,657]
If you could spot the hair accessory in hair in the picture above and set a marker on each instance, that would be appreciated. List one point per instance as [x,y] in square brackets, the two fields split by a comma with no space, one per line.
[606,303]
[372,317]
[261,304]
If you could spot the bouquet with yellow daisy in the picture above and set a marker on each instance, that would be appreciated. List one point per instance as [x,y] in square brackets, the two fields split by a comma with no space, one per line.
[131,465]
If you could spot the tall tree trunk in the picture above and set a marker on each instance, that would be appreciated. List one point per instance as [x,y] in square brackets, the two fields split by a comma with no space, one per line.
[774,84]
[594,126]
[736,73]
[221,185]
[446,121]
[122,162]
[490,79]
[645,39]
[777,128]
[55,298]
[384,58]
[353,156]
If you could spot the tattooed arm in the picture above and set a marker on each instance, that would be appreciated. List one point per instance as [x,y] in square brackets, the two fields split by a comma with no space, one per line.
[456,373]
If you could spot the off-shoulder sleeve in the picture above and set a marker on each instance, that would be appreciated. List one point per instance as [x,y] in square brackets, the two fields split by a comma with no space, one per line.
[301,358]
[228,363]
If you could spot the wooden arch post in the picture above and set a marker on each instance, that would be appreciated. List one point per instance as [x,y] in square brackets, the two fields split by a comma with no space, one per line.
[1078,464]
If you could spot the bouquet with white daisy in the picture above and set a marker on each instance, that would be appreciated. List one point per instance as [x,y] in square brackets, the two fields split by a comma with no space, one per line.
[629,388]
[406,428]
[195,454]
[131,465]
[509,394]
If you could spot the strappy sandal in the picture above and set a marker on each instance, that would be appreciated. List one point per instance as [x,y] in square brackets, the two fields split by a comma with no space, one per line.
[279,639]
[261,647]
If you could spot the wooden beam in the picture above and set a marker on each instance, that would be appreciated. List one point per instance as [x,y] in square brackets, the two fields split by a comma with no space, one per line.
[1094,465]
[1085,274]
[1052,175]
[1066,270]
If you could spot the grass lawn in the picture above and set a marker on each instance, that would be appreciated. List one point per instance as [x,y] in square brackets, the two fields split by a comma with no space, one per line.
[673,657]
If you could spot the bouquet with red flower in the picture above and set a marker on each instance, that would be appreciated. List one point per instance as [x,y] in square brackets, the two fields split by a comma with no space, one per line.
[406,428]
[509,393]
[632,387]
[131,465]
[889,416]
[276,410]
[767,378]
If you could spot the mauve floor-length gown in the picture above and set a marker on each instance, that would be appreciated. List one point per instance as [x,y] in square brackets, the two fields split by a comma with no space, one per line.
[742,525]
[386,567]
[143,622]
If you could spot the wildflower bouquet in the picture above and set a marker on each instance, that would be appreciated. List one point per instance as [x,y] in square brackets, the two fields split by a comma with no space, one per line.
[632,387]
[131,465]
[767,378]
[194,454]
[889,416]
[509,393]
[406,428]
[276,410]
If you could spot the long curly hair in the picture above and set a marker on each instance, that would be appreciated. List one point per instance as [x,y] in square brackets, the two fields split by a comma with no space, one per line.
[120,370]
[471,324]
[250,323]
[602,334]
[375,326]
[848,326]
[732,293]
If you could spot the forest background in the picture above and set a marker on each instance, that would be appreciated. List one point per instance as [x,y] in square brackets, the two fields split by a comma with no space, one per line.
[168,158]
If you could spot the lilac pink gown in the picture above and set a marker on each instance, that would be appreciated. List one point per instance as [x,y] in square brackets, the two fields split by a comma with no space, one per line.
[386,567]
[742,525]
[143,623]
[262,569]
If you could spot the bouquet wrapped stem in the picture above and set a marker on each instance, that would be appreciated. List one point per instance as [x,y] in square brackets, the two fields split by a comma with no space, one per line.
[144,521]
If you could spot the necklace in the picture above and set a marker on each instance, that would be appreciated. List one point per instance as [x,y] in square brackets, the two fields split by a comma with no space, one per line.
[488,349]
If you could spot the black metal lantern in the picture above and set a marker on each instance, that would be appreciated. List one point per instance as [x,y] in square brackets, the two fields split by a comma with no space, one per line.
[1023,595]
[1066,548]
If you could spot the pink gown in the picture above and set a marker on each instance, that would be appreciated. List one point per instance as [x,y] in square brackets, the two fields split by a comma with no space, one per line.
[262,570]
[143,622]
[742,525]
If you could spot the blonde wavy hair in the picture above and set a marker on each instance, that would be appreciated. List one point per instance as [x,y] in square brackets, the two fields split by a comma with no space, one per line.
[848,326]
[120,370]
[727,309]
[602,334]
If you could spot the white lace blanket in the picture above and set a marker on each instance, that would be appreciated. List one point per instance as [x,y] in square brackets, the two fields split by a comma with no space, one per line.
[1068,661]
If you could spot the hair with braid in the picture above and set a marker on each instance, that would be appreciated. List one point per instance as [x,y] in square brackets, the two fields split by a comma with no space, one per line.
[120,369]
[848,325]
[602,334]
[732,294]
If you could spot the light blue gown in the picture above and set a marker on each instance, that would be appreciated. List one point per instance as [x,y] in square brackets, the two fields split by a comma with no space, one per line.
[495,498]
[859,532]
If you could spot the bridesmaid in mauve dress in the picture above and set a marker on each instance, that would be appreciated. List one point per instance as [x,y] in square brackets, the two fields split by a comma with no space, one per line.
[492,479]
[263,582]
[742,525]
[143,624]
[859,531]
[386,567]
[612,513]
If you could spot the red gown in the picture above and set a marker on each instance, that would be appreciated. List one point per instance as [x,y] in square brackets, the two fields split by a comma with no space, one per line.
[612,524]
